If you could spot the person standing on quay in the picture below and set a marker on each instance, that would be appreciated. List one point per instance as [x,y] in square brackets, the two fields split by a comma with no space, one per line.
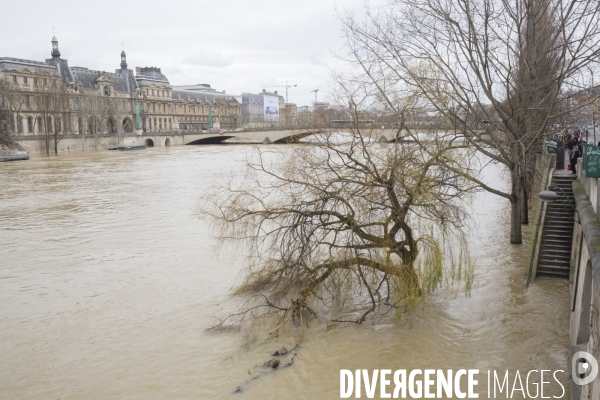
[573,158]
[571,142]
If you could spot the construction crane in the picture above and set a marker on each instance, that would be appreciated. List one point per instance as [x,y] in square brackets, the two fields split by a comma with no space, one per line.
[286,86]
[316,90]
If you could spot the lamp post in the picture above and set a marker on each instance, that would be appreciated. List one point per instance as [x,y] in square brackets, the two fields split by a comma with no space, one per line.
[550,196]
[594,124]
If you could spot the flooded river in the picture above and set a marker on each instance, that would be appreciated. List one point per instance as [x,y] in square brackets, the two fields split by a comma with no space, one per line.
[109,280]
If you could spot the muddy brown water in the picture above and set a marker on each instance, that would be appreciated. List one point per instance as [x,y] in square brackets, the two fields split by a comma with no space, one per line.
[108,281]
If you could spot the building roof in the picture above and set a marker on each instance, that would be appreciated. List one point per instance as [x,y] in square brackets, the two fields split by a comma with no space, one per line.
[62,67]
[87,78]
[17,64]
[147,75]
[198,96]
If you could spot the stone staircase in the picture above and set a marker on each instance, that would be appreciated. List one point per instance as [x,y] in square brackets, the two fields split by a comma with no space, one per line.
[555,251]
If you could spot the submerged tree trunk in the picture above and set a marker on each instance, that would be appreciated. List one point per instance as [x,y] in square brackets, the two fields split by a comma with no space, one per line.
[516,205]
[515,221]
[524,207]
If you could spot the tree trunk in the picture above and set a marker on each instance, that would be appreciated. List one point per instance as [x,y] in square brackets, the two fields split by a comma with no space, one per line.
[515,221]
[524,207]
[517,189]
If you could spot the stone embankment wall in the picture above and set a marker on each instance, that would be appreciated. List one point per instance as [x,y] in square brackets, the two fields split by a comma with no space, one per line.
[585,278]
[37,144]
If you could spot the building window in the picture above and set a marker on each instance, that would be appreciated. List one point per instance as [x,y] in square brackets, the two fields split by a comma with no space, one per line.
[153,107]
[27,102]
[76,103]
[152,92]
[14,79]
[45,81]
[164,108]
[25,80]
[35,81]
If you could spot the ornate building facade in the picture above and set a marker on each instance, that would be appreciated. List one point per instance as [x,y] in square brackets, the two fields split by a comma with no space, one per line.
[52,97]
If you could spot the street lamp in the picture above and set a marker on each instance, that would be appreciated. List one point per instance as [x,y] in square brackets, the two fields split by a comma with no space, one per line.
[594,124]
[550,196]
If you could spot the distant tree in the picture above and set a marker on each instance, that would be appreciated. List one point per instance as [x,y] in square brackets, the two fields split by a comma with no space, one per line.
[96,110]
[7,96]
[6,140]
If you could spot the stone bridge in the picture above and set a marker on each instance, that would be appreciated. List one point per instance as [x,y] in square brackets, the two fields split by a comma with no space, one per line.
[239,137]
[36,144]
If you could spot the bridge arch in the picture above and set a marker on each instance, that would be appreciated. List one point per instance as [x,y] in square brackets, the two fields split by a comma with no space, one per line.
[167,142]
[149,143]
[211,140]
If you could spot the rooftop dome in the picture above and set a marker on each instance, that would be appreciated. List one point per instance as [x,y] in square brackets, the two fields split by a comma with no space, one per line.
[153,73]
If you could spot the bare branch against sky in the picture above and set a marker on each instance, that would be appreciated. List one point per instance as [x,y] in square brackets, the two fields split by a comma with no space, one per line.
[235,45]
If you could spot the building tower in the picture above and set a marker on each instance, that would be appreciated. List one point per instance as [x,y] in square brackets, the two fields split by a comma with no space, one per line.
[55,52]
[123,61]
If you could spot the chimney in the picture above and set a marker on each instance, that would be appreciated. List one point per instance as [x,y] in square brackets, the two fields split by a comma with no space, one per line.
[264,91]
[223,92]
[138,71]
[276,92]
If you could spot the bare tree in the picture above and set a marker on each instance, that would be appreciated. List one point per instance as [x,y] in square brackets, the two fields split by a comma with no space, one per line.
[6,140]
[52,104]
[494,69]
[96,109]
[343,229]
[13,100]
[45,108]
[61,108]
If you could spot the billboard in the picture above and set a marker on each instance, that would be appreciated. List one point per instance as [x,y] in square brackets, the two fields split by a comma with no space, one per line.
[271,104]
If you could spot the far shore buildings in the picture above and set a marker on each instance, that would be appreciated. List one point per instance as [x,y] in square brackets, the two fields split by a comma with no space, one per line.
[47,96]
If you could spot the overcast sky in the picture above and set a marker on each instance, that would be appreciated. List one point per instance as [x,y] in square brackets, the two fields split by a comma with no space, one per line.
[237,45]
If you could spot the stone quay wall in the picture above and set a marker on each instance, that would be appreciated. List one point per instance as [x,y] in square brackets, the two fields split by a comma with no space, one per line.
[585,278]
